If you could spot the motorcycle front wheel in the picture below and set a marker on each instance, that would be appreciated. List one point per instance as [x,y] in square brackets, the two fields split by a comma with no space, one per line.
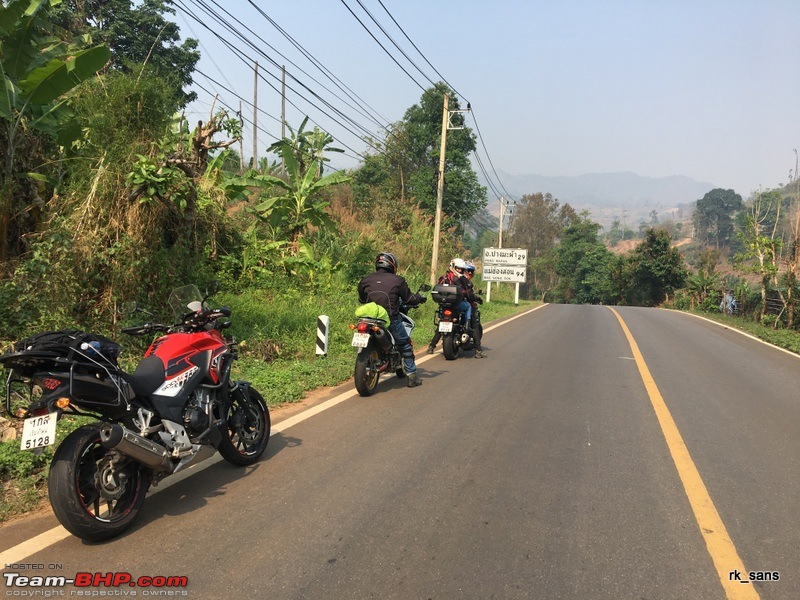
[93,496]
[366,373]
[248,426]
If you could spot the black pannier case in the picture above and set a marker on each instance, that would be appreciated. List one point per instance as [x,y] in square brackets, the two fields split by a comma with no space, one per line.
[447,294]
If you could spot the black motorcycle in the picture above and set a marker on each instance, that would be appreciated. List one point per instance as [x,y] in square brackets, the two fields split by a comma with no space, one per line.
[451,324]
[377,351]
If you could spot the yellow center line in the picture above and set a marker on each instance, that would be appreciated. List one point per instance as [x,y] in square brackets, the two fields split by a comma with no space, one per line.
[719,543]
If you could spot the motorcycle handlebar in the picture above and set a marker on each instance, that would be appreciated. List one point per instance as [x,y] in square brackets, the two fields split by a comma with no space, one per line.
[190,322]
[144,329]
[199,320]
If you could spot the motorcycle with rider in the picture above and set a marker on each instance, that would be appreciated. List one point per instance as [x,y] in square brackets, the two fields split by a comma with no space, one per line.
[457,318]
[383,331]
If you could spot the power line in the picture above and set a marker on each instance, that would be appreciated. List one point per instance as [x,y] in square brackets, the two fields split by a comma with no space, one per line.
[396,45]
[382,46]
[418,50]
[356,103]
[241,55]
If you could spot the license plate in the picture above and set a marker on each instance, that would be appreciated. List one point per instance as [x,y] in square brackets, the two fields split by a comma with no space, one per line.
[360,340]
[38,432]
[445,326]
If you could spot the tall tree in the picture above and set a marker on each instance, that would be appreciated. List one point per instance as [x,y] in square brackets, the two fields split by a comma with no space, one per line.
[657,269]
[408,167]
[760,241]
[138,34]
[583,264]
[539,221]
[714,215]
[793,257]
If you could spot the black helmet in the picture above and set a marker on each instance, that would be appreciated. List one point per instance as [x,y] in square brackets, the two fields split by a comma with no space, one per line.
[386,261]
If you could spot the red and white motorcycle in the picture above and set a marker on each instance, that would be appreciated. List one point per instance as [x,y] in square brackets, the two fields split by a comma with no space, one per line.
[177,408]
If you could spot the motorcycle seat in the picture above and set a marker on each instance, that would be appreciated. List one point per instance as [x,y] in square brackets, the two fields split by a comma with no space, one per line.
[149,374]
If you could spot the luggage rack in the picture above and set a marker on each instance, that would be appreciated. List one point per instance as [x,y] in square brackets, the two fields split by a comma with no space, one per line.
[24,364]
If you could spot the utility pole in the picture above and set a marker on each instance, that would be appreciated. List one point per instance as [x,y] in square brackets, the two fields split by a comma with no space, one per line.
[255,117]
[502,214]
[283,113]
[503,206]
[241,142]
[440,191]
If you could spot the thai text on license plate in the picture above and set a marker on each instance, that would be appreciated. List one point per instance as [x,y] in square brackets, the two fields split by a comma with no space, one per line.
[360,340]
[38,432]
[445,326]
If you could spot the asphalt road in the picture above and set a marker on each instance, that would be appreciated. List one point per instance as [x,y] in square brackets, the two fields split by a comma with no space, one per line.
[547,470]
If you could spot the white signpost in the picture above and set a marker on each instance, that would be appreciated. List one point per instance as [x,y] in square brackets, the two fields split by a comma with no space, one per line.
[505,264]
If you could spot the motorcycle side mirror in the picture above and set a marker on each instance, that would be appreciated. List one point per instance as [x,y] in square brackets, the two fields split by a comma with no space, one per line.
[212,287]
[480,292]
[424,287]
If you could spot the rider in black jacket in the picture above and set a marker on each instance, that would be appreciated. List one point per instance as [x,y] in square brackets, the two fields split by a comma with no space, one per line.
[386,288]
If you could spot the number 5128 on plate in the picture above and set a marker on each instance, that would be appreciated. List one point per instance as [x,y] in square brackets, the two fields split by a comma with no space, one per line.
[38,431]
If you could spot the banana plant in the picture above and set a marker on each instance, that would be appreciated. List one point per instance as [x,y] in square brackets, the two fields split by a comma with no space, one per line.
[37,70]
[299,205]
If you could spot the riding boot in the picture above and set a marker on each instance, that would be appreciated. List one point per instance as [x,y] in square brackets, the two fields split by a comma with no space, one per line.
[414,380]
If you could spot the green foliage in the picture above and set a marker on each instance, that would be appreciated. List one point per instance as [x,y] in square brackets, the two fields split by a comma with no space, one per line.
[714,215]
[407,167]
[36,71]
[703,286]
[539,223]
[156,47]
[657,269]
[17,463]
[583,264]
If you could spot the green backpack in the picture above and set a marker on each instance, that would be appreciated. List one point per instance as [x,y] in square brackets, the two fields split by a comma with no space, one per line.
[371,310]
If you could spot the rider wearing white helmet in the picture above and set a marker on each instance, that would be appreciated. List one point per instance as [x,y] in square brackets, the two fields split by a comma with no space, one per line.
[455,276]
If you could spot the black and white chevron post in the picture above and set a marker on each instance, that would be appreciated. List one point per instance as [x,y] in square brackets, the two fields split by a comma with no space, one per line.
[323,326]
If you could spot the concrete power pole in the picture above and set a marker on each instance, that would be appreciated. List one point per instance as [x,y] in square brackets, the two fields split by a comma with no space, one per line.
[283,114]
[255,117]
[439,191]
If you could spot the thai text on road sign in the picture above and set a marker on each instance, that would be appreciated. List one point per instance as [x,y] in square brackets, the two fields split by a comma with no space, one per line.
[500,273]
[505,256]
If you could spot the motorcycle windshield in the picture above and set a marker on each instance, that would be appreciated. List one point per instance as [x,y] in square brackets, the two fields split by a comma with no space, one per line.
[185,300]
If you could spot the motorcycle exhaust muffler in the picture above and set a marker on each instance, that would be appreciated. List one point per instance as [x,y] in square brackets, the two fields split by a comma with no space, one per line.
[384,339]
[125,441]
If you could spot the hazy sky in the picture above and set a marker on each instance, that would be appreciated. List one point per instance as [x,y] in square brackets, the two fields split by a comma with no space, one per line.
[703,88]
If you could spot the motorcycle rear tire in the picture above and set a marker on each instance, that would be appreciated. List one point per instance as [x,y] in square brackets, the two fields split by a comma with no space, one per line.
[366,374]
[449,347]
[248,428]
[75,486]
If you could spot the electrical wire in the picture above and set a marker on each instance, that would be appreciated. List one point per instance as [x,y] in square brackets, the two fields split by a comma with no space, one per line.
[242,56]
[355,103]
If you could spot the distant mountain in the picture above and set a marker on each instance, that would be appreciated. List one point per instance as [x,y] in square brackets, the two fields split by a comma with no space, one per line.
[627,196]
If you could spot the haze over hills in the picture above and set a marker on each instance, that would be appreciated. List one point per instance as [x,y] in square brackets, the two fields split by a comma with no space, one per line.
[627,196]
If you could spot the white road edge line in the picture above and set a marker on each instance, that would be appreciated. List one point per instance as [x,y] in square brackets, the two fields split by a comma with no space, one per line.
[740,332]
[20,552]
